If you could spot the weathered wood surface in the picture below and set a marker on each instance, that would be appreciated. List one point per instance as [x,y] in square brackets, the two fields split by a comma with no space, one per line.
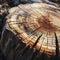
[36,24]
[44,40]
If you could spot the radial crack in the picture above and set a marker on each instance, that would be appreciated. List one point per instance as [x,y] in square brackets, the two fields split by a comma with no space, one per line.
[37,41]
[57,45]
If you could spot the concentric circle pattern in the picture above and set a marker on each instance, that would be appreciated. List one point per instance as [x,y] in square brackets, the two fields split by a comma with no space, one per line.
[38,24]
